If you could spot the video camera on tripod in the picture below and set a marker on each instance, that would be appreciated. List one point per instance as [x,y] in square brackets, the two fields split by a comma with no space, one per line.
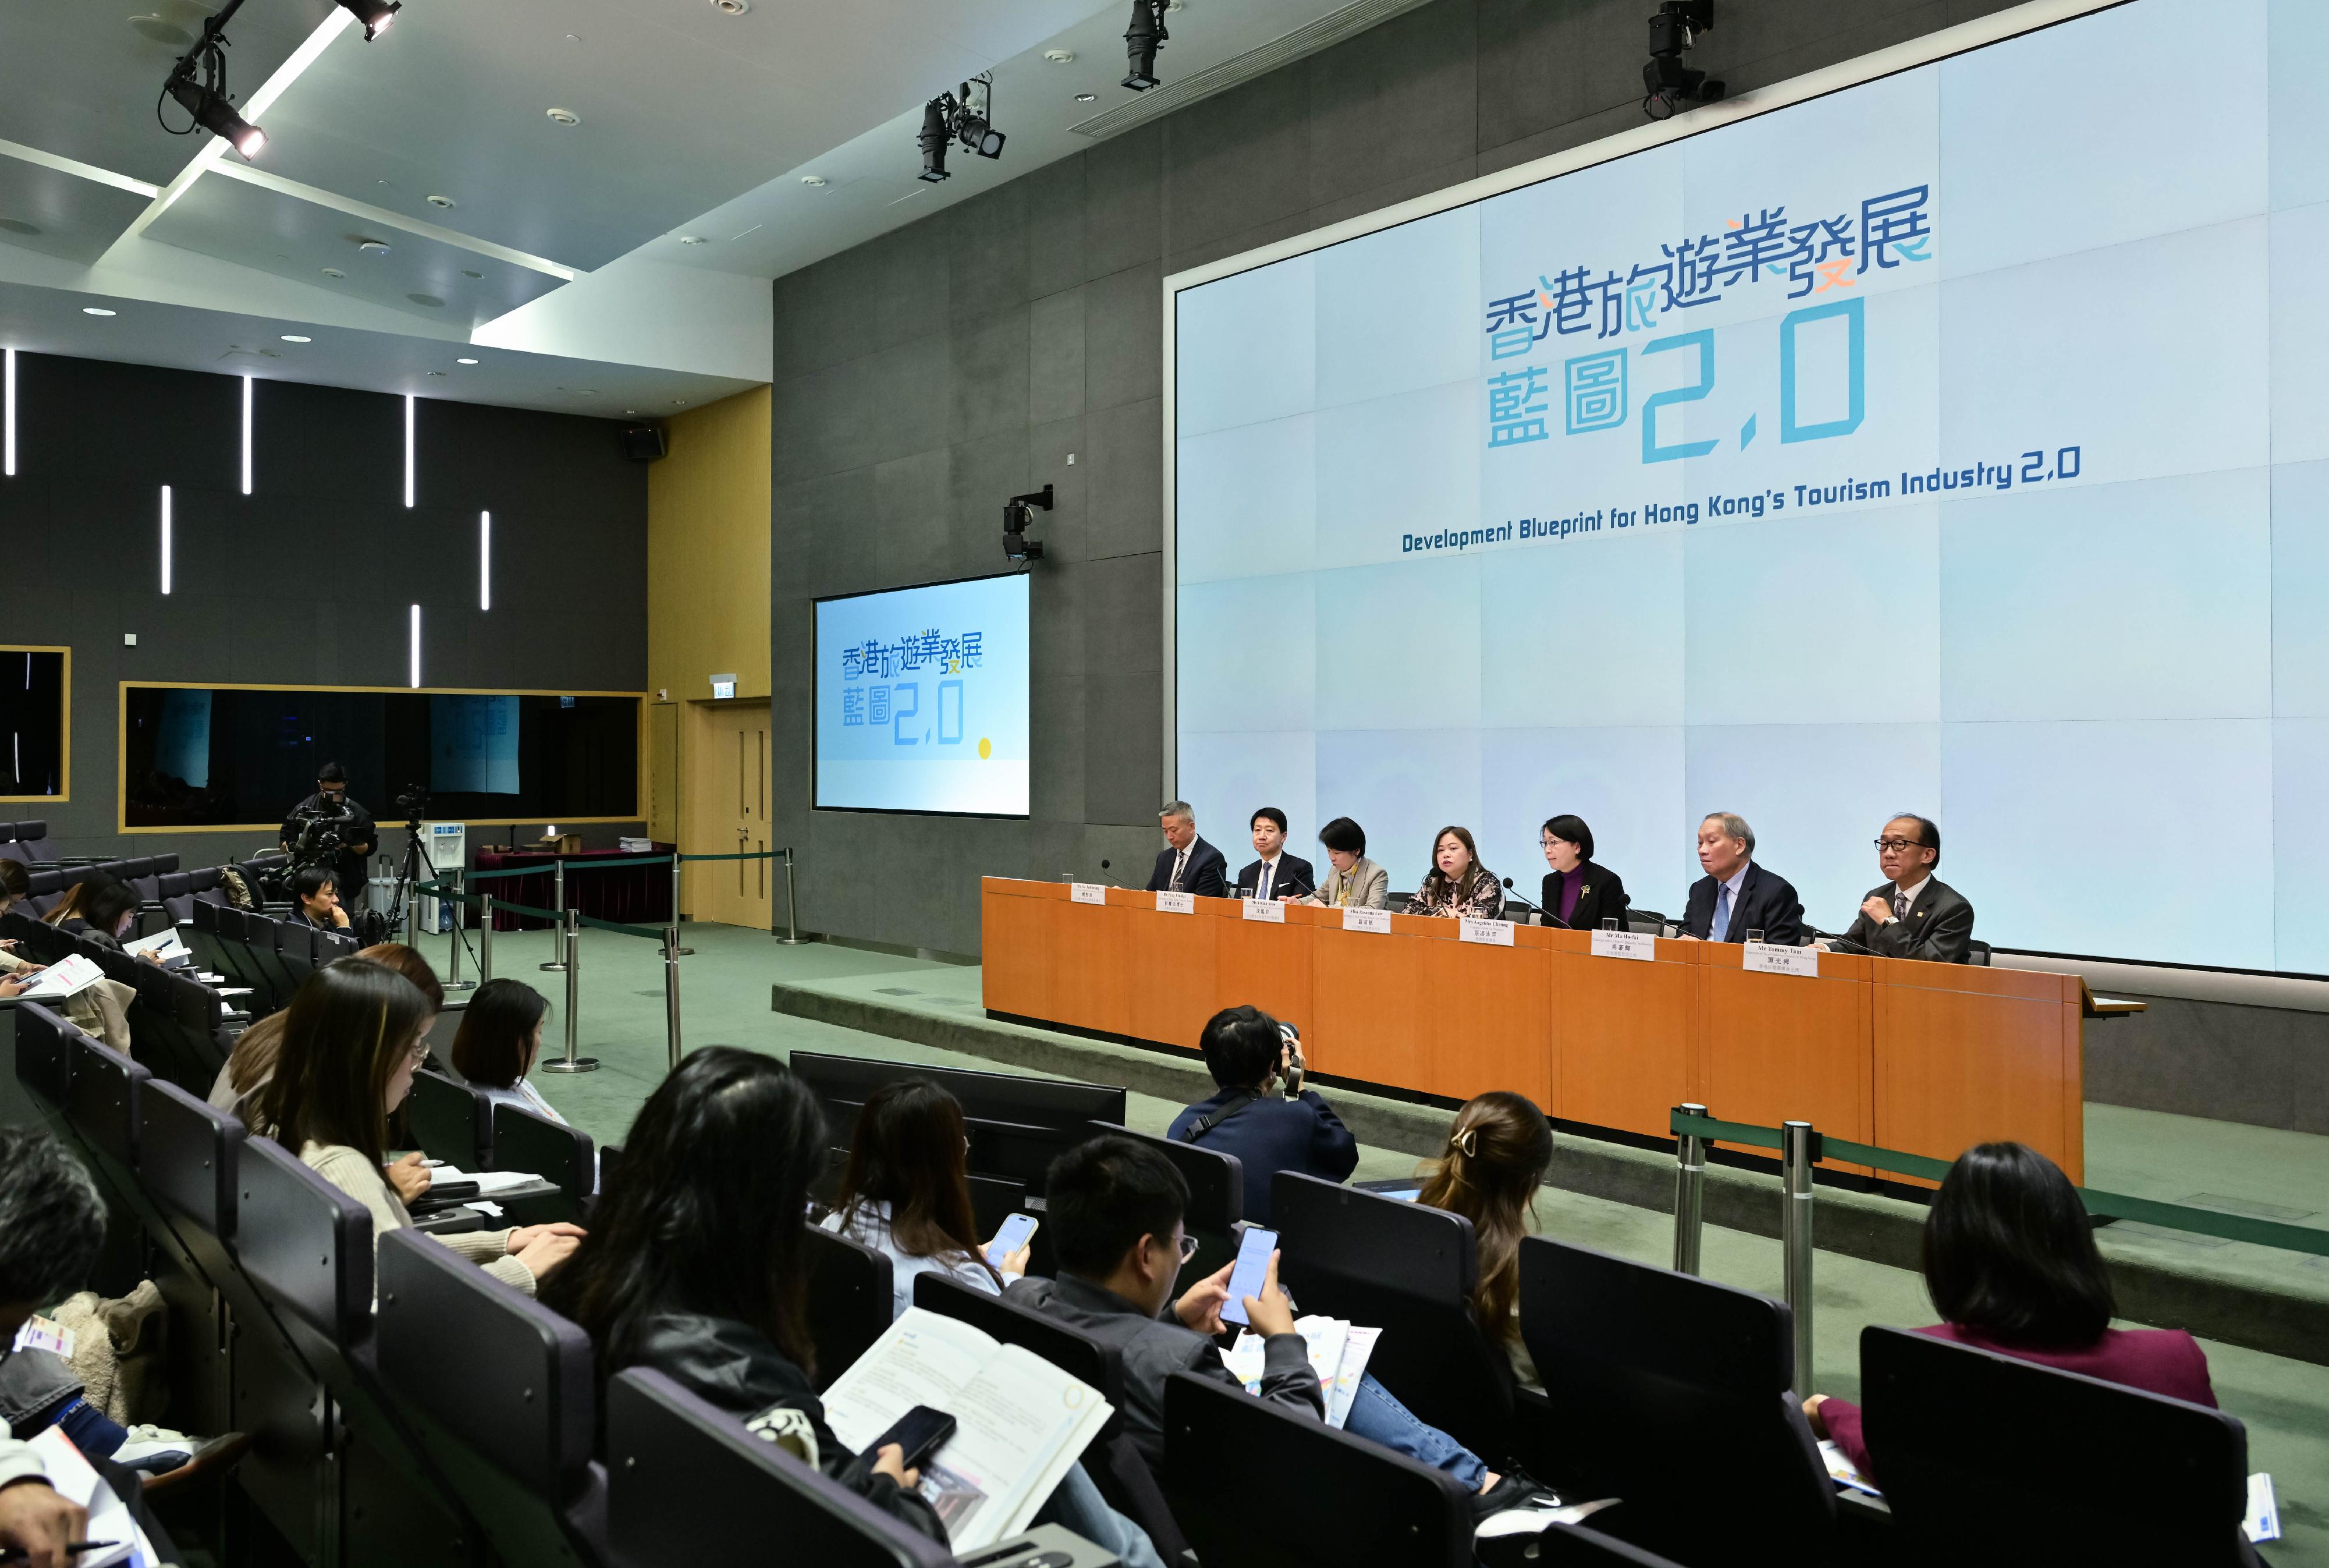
[322,836]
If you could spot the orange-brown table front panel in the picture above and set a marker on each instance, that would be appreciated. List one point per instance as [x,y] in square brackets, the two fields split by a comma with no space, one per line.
[1777,1048]
[1486,1019]
[1623,1030]
[1367,993]
[1965,1055]
[1171,977]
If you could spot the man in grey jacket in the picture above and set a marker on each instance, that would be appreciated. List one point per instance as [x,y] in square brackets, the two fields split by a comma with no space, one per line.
[52,1224]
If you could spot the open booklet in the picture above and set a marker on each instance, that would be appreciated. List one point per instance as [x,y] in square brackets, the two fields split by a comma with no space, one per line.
[1338,1349]
[1020,1422]
[110,1518]
[67,977]
[165,946]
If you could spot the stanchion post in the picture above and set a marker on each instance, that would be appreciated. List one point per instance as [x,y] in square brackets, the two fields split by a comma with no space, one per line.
[1797,1150]
[1690,1194]
[485,937]
[559,943]
[671,989]
[453,981]
[792,908]
[412,915]
[682,952]
[570,1062]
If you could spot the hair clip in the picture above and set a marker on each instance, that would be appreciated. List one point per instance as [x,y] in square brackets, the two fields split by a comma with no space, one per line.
[1466,1142]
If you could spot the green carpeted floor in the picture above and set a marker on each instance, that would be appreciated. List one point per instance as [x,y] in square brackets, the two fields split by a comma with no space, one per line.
[726,1000]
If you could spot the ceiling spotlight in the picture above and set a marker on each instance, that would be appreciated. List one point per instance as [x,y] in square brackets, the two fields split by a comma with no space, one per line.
[1142,39]
[96,310]
[375,14]
[814,182]
[933,137]
[1087,97]
[1018,512]
[966,116]
[197,84]
[465,362]
[1670,83]
[440,201]
[295,338]
[1059,56]
[564,116]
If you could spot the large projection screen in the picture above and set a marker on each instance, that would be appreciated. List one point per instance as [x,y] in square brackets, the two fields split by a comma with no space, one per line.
[921,699]
[1953,442]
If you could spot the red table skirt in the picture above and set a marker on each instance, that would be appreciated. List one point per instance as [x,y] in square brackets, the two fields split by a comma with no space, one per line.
[639,895]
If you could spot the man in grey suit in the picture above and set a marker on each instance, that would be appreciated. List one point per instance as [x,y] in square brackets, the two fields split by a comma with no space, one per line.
[1913,914]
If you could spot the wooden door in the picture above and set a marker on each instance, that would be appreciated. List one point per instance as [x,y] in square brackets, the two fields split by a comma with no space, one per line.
[731,816]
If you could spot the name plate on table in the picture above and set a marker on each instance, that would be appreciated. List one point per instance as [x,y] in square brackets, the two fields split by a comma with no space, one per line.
[1494,933]
[1377,921]
[1266,909]
[1176,903]
[1087,892]
[1773,959]
[1624,945]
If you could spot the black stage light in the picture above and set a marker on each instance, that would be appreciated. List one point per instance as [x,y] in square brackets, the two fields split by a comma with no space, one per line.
[214,114]
[375,14]
[1668,82]
[974,119]
[933,139]
[1018,513]
[197,84]
[1142,39]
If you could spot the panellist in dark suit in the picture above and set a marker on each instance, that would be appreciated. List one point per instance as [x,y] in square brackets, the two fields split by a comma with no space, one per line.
[1188,864]
[1276,874]
[1913,914]
[1736,895]
[1567,846]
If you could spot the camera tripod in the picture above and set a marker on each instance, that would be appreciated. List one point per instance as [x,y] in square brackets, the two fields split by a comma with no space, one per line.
[409,871]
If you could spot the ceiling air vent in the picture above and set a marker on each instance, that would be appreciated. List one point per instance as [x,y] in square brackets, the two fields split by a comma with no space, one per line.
[1323,34]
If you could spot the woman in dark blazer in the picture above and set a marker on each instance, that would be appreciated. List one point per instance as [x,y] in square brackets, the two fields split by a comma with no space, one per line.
[1578,892]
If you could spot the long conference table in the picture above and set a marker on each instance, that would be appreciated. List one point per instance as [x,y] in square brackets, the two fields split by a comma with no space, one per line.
[1924,1058]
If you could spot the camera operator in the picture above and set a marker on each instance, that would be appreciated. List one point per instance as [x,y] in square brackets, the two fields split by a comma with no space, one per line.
[358,835]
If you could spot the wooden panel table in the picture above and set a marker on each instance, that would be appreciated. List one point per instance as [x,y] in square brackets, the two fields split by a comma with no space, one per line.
[1926,1058]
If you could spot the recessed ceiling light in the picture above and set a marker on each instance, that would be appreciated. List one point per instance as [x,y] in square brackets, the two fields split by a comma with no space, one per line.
[373,247]
[1087,97]
[694,240]
[441,202]
[586,391]
[295,338]
[18,226]
[161,29]
[435,373]
[679,402]
[428,299]
[95,310]
[814,182]
[731,7]
[466,273]
[564,116]
[465,362]
[333,272]
[630,411]
[1059,56]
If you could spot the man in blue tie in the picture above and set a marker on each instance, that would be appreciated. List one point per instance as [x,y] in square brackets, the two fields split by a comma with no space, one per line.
[1736,895]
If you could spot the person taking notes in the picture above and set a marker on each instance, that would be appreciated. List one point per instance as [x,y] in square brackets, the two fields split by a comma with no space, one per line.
[1912,914]
[1737,896]
[1276,874]
[1577,893]
[1188,864]
[1354,881]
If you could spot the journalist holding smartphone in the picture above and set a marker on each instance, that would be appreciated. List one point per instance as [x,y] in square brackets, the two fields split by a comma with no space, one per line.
[1262,1114]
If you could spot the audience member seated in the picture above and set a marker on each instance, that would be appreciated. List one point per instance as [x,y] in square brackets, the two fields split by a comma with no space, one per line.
[1115,1211]
[1457,886]
[352,1039]
[1498,1152]
[315,900]
[694,1266]
[251,1063]
[52,1228]
[2012,1267]
[16,882]
[693,1262]
[907,1191]
[1266,1129]
[101,1011]
[498,1043]
[99,909]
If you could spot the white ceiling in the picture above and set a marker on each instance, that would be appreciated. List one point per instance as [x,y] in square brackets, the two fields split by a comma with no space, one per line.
[558,244]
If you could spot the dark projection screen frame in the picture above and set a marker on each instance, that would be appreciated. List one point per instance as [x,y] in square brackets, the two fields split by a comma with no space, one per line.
[386,736]
[36,721]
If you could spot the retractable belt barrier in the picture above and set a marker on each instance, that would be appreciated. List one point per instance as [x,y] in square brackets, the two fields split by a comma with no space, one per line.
[1801,1148]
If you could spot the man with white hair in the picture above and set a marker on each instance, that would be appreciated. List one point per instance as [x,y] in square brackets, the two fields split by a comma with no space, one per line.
[1736,896]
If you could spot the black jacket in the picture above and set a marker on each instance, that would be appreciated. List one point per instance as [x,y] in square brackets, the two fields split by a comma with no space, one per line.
[1274,1134]
[732,1365]
[1940,929]
[1766,903]
[1207,873]
[1294,875]
[1154,1348]
[1603,898]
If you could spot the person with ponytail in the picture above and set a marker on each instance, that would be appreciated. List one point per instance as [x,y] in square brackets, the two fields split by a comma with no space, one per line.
[1498,1152]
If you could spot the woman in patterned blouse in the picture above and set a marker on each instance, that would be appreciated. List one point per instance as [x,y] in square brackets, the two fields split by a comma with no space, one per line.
[1459,885]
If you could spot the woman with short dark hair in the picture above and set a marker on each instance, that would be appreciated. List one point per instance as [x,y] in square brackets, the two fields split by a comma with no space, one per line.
[1262,1115]
[1457,885]
[1354,881]
[1577,893]
[2011,1265]
[907,1191]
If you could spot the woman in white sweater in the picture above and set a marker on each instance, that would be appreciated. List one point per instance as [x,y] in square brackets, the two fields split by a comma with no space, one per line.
[352,1038]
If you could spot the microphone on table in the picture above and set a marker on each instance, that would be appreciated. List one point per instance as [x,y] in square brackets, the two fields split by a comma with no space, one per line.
[1844,942]
[1546,915]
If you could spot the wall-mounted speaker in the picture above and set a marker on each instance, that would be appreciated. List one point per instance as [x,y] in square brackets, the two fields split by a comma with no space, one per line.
[644,443]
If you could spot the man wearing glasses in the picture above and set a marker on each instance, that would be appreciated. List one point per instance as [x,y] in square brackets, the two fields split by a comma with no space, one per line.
[1912,914]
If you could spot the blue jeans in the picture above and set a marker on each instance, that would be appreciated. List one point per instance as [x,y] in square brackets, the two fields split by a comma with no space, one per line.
[1379,1418]
[1076,1505]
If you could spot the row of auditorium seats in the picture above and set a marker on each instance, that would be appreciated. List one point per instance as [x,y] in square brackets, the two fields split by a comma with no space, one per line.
[454,1422]
[179,1027]
[454,1123]
[268,958]
[27,842]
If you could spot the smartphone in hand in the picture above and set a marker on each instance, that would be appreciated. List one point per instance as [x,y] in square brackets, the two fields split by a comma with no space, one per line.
[921,1432]
[1250,1271]
[1010,1239]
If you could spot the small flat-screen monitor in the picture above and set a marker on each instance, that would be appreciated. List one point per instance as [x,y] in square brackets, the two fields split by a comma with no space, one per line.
[921,699]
